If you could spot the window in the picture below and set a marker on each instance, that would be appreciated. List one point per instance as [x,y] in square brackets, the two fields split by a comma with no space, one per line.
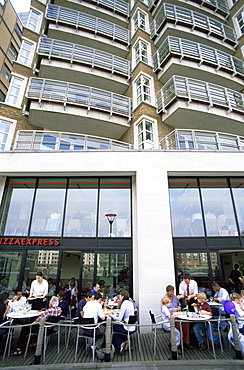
[6,72]
[18,31]
[13,51]
[139,21]
[26,53]
[141,52]
[240,20]
[34,20]
[15,91]
[143,90]
[5,130]
[2,96]
[145,135]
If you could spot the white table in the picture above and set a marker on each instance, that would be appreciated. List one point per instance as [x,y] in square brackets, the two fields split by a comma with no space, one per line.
[193,316]
[213,303]
[23,314]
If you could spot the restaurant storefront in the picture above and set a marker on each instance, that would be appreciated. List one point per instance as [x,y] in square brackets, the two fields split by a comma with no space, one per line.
[207,216]
[59,226]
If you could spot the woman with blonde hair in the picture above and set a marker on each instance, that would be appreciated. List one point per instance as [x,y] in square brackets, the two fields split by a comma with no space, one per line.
[204,309]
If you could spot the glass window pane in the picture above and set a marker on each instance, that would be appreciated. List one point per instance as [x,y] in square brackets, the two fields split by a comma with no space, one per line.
[10,264]
[238,194]
[197,265]
[48,207]
[87,272]
[15,215]
[113,272]
[115,198]
[186,215]
[45,261]
[218,212]
[215,267]
[81,208]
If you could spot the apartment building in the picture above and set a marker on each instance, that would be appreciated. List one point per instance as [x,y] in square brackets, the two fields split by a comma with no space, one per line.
[126,149]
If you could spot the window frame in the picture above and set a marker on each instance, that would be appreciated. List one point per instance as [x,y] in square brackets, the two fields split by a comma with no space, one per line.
[21,91]
[11,131]
[135,27]
[136,88]
[238,29]
[139,42]
[40,15]
[31,53]
[143,119]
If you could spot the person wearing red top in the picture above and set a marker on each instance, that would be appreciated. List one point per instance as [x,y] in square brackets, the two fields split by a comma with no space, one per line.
[204,309]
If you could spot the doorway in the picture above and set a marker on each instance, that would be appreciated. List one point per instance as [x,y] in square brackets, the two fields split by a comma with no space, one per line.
[228,259]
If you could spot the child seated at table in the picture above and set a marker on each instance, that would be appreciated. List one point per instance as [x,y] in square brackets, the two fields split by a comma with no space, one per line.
[166,324]
[204,309]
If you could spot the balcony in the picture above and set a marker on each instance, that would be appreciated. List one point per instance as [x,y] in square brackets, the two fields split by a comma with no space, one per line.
[60,105]
[92,66]
[218,6]
[202,140]
[192,59]
[190,103]
[169,13]
[88,23]
[55,141]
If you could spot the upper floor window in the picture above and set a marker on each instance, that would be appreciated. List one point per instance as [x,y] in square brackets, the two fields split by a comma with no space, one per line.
[240,20]
[13,51]
[6,72]
[16,90]
[2,96]
[26,52]
[33,20]
[143,90]
[43,1]
[145,134]
[141,52]
[5,133]
[140,21]
[18,31]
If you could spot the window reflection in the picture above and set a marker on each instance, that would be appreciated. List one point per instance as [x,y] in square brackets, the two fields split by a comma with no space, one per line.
[10,264]
[238,194]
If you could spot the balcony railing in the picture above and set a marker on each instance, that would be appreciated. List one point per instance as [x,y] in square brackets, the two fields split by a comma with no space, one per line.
[202,140]
[117,6]
[78,95]
[195,21]
[203,54]
[79,54]
[51,140]
[195,90]
[88,23]
[219,6]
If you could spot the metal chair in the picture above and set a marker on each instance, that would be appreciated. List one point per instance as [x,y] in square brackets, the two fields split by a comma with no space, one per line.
[9,334]
[87,329]
[216,312]
[156,329]
[51,325]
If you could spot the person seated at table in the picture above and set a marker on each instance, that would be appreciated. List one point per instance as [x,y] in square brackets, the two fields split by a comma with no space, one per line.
[95,288]
[174,306]
[166,317]
[93,309]
[239,311]
[52,314]
[89,297]
[120,331]
[221,295]
[17,301]
[4,309]
[188,290]
[204,309]
[118,300]
[68,293]
[63,304]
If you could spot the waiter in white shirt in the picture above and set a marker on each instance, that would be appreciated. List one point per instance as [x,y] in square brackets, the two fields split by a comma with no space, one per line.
[38,290]
[188,289]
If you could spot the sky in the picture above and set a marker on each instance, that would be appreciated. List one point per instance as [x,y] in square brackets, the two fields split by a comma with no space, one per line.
[21,5]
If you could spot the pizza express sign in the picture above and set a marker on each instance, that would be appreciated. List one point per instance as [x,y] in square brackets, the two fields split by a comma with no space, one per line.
[27,241]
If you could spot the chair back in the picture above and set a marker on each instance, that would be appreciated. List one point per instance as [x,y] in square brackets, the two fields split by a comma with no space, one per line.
[86,320]
[132,319]
[152,317]
[215,311]
[54,319]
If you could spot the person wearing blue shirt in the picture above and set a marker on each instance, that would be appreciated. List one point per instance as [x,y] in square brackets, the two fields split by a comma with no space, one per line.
[95,288]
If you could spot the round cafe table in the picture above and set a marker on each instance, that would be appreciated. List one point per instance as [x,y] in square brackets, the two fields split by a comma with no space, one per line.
[21,314]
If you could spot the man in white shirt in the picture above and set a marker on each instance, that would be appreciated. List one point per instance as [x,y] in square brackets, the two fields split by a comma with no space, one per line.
[17,301]
[93,309]
[188,289]
[221,295]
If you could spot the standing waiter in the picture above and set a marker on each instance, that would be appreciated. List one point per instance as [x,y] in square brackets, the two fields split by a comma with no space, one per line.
[38,291]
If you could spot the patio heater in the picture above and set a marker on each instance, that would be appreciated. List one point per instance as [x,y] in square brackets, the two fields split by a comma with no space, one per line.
[111,218]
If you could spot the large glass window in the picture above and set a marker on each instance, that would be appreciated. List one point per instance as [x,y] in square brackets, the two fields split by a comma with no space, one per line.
[186,215]
[218,207]
[45,261]
[113,272]
[115,199]
[240,20]
[81,208]
[17,206]
[10,264]
[139,21]
[238,194]
[48,208]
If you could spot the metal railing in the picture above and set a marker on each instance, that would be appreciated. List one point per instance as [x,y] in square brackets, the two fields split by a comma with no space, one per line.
[195,90]
[88,23]
[201,53]
[202,140]
[193,20]
[121,7]
[219,6]
[53,140]
[73,94]
[75,53]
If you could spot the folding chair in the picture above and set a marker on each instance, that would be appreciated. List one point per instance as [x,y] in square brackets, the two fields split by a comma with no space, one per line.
[156,329]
